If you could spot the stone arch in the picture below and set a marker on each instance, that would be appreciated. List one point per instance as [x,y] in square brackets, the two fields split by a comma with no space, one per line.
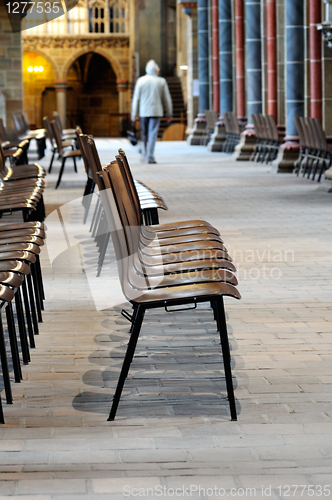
[115,63]
[27,48]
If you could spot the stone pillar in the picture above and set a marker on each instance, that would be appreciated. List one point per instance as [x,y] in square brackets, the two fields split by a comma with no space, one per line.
[315,60]
[225,56]
[295,76]
[61,100]
[226,72]
[192,73]
[122,87]
[199,134]
[244,150]
[254,57]
[327,68]
[11,81]
[203,54]
[239,44]
[215,55]
[272,100]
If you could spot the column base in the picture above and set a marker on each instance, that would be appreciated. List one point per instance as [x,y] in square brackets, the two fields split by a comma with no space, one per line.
[218,137]
[246,147]
[199,135]
[288,157]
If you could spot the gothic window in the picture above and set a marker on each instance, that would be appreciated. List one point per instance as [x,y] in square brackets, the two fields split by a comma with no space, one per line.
[97,17]
[76,19]
[118,16]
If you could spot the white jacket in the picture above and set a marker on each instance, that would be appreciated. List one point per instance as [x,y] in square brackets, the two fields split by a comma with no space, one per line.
[151,97]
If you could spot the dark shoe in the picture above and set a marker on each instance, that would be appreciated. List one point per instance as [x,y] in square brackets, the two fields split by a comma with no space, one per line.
[152,161]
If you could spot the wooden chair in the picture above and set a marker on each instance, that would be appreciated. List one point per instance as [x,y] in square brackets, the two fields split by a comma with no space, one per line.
[125,243]
[63,155]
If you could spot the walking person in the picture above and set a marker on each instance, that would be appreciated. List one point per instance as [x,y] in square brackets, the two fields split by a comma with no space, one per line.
[151,97]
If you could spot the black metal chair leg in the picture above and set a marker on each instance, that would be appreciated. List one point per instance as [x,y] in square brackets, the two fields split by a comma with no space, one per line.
[27,314]
[4,364]
[75,166]
[37,293]
[2,420]
[13,344]
[222,327]
[50,167]
[61,172]
[32,305]
[127,361]
[21,329]
[40,278]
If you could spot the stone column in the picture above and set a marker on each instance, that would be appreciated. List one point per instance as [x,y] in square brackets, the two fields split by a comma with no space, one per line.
[239,49]
[272,100]
[215,55]
[199,133]
[226,72]
[244,150]
[225,56]
[61,100]
[295,77]
[315,60]
[327,68]
[203,54]
[253,57]
[122,87]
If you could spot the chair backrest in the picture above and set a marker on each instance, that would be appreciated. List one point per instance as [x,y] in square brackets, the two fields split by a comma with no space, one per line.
[272,126]
[2,160]
[3,134]
[321,134]
[18,125]
[57,120]
[234,123]
[131,184]
[57,137]
[82,146]
[300,132]
[257,126]
[49,130]
[228,126]
[211,118]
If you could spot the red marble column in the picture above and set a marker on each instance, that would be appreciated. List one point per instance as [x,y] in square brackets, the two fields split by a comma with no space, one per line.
[315,60]
[272,96]
[239,42]
[215,56]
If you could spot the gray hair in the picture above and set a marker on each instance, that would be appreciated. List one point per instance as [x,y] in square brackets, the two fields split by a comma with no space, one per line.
[151,67]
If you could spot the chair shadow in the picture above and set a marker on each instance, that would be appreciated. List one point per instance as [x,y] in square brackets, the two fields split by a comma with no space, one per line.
[177,369]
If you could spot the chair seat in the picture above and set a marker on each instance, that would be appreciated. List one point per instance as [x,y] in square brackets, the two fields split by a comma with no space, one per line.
[186,293]
[10,278]
[16,266]
[6,293]
[18,255]
[72,152]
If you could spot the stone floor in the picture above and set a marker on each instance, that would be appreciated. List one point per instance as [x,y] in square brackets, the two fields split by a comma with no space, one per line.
[173,436]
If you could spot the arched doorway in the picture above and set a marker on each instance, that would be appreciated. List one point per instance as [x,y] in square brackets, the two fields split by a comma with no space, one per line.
[92,95]
[38,88]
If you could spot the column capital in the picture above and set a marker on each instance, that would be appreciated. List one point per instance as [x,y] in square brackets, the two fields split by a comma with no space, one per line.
[188,7]
[122,85]
[60,86]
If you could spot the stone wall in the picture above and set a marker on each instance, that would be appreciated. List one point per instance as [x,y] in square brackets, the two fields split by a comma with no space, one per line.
[11,84]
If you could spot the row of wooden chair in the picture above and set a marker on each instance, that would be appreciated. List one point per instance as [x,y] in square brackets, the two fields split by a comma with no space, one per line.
[315,157]
[175,265]
[21,285]
[63,144]
[232,131]
[150,200]
[268,138]
[23,131]
[21,191]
